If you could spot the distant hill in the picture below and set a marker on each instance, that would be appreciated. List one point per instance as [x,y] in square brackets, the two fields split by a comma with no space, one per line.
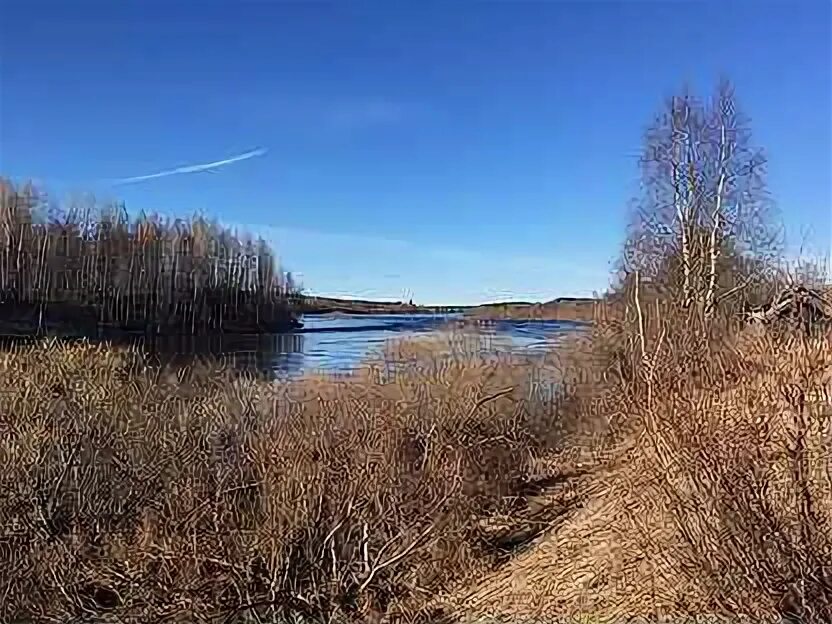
[329,305]
[563,308]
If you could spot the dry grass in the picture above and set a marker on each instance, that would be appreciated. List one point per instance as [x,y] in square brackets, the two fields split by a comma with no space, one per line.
[693,480]
[718,499]
[156,495]
[681,469]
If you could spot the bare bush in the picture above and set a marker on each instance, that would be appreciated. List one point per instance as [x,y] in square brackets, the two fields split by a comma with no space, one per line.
[187,493]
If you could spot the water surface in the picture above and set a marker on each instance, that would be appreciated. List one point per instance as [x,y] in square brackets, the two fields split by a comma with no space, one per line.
[330,343]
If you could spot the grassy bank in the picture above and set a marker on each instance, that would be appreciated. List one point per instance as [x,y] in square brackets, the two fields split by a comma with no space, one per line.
[189,493]
[716,499]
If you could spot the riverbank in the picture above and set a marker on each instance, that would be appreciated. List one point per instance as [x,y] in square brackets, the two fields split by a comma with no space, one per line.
[702,461]
[459,488]
[562,309]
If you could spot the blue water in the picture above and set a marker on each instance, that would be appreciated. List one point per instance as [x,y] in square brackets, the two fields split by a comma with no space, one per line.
[341,343]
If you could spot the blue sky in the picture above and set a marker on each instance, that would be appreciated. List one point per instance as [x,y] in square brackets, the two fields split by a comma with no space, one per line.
[452,152]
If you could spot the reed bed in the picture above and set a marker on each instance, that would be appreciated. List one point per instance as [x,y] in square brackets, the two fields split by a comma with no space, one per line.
[190,494]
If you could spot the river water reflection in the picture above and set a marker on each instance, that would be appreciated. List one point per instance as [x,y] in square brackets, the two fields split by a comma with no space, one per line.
[335,344]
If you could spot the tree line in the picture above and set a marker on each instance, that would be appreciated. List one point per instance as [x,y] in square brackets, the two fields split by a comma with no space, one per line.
[89,263]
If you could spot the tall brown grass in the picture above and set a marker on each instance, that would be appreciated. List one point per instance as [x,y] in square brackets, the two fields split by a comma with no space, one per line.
[190,494]
[738,420]
[717,496]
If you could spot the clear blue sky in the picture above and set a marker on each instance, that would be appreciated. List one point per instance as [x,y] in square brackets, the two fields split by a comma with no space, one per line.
[455,152]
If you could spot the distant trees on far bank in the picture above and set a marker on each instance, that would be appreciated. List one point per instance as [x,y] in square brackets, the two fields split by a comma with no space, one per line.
[89,264]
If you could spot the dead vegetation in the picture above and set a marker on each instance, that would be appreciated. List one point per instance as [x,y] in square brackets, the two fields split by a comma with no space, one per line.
[189,494]
[449,490]
[718,501]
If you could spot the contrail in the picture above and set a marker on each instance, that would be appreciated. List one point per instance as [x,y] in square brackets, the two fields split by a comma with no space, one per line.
[193,168]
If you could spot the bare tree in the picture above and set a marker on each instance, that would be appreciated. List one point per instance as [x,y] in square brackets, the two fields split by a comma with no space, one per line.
[704,220]
[737,202]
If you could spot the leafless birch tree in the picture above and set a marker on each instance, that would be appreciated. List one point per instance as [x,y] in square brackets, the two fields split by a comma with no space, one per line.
[702,229]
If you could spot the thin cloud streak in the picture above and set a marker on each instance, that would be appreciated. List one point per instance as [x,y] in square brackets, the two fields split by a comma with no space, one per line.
[193,168]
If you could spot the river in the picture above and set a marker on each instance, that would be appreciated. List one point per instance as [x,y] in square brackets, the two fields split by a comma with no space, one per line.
[339,343]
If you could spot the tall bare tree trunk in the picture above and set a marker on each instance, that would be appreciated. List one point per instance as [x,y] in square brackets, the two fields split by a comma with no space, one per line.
[716,225]
[683,214]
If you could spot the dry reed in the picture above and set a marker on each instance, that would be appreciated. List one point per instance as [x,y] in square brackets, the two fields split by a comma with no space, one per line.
[189,493]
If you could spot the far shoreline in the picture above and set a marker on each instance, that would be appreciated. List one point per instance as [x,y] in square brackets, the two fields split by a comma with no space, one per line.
[560,309]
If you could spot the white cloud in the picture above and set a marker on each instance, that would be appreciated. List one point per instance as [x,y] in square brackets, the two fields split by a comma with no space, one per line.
[192,168]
